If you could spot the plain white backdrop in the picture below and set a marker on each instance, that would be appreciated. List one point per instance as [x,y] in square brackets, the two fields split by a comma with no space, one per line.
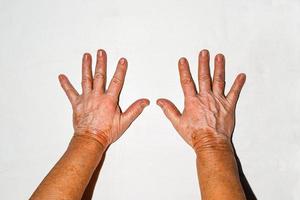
[40,39]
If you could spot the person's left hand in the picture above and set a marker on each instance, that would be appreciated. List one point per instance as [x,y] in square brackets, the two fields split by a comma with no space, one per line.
[96,112]
[208,118]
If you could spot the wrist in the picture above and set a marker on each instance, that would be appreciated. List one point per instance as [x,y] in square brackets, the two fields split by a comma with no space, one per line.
[214,150]
[211,141]
[85,149]
[101,139]
[85,142]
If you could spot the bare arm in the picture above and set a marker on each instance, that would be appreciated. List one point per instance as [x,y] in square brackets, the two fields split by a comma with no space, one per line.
[98,122]
[206,124]
[89,190]
[70,175]
[217,171]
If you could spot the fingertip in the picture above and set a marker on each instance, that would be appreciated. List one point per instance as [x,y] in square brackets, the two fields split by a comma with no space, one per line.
[219,57]
[204,53]
[145,102]
[86,56]
[123,61]
[101,53]
[182,61]
[159,102]
[242,77]
[61,77]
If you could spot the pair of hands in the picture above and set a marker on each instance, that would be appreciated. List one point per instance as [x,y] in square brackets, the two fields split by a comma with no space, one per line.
[208,118]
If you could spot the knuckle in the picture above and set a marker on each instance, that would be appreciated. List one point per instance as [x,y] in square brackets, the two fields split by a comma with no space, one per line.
[218,77]
[69,90]
[219,82]
[116,80]
[204,78]
[86,79]
[235,92]
[187,81]
[99,75]
[139,109]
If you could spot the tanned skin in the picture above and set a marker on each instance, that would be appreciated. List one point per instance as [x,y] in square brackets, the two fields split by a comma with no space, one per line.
[207,123]
[98,122]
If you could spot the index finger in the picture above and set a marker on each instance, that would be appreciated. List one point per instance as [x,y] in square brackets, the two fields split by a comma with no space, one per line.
[186,80]
[117,81]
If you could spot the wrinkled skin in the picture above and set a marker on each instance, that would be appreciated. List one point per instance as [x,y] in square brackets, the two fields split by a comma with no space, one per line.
[206,111]
[96,112]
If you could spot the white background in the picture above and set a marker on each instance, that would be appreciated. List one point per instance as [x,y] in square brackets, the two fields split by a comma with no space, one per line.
[40,39]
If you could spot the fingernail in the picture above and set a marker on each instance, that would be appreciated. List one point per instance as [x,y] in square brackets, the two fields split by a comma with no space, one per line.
[100,52]
[85,56]
[220,58]
[242,75]
[159,103]
[204,53]
[122,61]
[145,103]
[182,60]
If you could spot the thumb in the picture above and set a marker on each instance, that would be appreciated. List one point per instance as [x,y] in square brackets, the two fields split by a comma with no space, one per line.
[133,111]
[170,110]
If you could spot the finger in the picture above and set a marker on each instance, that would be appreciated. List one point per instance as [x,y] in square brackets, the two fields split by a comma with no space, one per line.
[219,75]
[186,80]
[100,72]
[236,88]
[87,77]
[170,110]
[204,78]
[117,81]
[68,88]
[133,111]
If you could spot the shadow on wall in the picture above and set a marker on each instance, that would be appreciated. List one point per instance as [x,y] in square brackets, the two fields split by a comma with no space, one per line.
[245,184]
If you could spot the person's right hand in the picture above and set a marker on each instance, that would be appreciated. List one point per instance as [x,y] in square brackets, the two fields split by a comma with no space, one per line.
[96,112]
[208,118]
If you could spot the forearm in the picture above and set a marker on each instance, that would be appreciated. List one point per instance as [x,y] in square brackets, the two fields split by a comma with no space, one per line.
[217,172]
[70,176]
[89,190]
